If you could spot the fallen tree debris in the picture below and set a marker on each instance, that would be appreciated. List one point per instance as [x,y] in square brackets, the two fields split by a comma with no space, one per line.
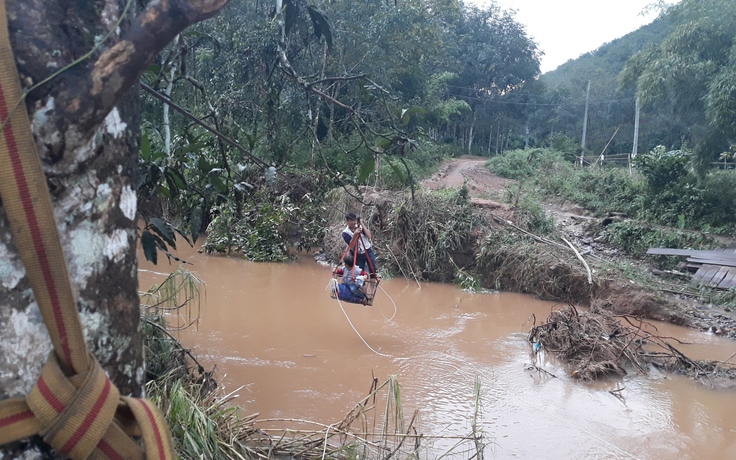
[597,344]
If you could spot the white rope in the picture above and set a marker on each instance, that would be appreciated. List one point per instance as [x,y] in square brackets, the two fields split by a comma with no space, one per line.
[392,301]
[324,449]
[356,331]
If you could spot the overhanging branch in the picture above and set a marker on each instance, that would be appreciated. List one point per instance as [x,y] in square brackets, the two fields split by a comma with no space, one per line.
[204,125]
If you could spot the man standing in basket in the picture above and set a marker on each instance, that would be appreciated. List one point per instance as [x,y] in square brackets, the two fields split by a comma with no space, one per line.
[356,229]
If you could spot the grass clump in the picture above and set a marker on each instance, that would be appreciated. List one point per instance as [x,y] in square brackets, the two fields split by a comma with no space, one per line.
[200,417]
[510,261]
[433,235]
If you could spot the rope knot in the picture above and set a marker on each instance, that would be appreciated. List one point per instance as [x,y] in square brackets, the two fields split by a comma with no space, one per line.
[75,411]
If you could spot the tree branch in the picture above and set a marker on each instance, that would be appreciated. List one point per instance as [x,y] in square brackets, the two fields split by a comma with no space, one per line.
[196,120]
[86,103]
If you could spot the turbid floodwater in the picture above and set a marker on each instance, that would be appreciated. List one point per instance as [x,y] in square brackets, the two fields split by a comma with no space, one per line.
[302,355]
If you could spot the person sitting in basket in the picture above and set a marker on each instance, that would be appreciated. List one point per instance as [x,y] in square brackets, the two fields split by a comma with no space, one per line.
[353,278]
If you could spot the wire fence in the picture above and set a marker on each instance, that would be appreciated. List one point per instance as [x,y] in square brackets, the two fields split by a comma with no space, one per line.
[621,159]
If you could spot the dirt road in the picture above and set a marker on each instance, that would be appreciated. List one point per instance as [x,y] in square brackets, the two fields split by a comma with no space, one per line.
[480,181]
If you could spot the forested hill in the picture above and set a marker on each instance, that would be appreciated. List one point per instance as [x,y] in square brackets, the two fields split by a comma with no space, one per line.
[606,62]
[680,67]
[610,107]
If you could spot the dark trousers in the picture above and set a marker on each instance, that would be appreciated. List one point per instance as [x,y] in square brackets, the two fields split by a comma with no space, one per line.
[362,260]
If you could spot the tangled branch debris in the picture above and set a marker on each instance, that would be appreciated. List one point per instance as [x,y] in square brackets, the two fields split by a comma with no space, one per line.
[598,344]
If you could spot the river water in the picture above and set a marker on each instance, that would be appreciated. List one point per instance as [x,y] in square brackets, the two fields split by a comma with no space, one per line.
[302,355]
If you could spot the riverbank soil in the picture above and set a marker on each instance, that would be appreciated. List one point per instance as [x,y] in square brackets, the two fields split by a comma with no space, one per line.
[667,299]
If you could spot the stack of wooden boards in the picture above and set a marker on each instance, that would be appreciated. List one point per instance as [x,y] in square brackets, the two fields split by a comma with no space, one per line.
[716,268]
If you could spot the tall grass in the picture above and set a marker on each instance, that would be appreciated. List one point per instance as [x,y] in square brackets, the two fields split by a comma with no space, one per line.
[202,421]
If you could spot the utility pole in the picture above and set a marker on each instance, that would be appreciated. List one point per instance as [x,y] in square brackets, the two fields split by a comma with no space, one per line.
[585,124]
[635,147]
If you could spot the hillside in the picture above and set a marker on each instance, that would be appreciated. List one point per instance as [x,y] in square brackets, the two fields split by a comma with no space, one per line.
[611,109]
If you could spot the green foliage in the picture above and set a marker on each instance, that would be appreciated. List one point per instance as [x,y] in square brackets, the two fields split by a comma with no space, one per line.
[258,232]
[569,147]
[265,226]
[718,201]
[421,163]
[666,192]
[636,238]
[523,164]
[599,191]
[662,169]
[158,235]
[691,74]
[419,71]
[531,216]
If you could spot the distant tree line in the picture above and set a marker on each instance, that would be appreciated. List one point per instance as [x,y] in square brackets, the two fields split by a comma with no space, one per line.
[350,92]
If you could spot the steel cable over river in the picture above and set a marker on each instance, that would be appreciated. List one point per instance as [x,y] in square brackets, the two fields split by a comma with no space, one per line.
[274,328]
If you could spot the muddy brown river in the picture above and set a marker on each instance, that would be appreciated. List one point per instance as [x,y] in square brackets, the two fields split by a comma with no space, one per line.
[302,355]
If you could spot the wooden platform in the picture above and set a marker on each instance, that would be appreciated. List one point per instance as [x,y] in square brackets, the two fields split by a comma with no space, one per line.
[715,268]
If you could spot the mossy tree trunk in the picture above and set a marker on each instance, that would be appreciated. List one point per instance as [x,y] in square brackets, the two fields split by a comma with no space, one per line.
[85,123]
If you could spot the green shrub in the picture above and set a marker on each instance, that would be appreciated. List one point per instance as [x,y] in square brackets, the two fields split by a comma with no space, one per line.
[258,232]
[666,192]
[718,200]
[522,164]
[661,168]
[635,239]
[530,214]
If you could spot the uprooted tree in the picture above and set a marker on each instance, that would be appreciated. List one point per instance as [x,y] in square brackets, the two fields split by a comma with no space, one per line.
[79,62]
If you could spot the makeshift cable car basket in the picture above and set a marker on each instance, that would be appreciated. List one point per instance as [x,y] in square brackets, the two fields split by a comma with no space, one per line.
[342,292]
[363,294]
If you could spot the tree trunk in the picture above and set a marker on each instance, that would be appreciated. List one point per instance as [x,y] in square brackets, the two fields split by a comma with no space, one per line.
[471,134]
[85,122]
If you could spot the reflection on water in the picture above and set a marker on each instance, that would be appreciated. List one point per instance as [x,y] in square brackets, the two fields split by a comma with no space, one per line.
[274,328]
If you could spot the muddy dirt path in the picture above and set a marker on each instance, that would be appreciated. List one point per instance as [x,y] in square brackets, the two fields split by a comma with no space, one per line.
[480,181]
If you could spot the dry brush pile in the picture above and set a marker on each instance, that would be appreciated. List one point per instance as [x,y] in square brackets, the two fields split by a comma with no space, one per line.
[597,344]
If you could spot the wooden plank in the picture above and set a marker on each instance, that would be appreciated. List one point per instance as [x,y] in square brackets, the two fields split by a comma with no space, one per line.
[729,262]
[705,272]
[708,276]
[729,280]
[670,252]
[726,262]
[718,276]
[726,252]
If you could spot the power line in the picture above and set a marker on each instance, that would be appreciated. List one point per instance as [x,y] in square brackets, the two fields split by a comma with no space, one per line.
[541,104]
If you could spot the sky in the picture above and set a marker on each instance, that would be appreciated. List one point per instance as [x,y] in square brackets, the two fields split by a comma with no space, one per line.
[565,29]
